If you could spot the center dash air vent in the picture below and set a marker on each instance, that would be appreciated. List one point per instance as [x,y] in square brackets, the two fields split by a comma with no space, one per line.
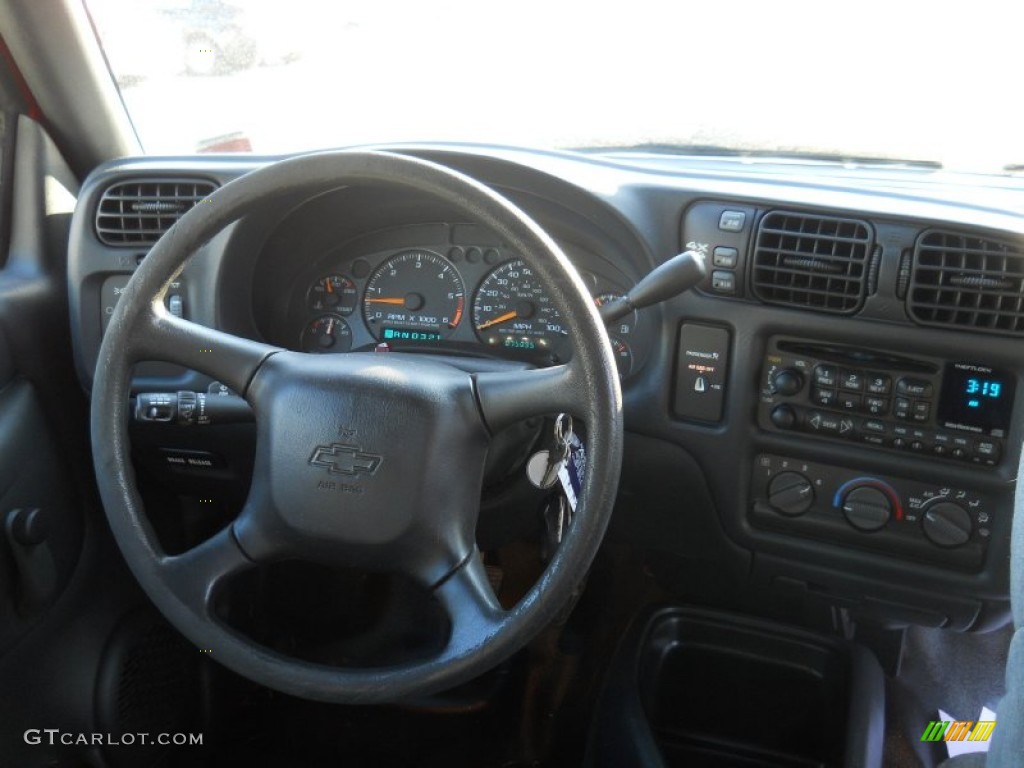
[967,281]
[138,212]
[811,261]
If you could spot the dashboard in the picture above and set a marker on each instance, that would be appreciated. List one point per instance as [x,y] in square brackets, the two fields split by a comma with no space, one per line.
[452,293]
[832,416]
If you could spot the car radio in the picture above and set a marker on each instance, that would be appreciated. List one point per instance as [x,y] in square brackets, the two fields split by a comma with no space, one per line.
[953,410]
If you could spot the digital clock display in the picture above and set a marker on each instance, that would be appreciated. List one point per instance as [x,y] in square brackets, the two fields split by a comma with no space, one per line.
[976,398]
[978,389]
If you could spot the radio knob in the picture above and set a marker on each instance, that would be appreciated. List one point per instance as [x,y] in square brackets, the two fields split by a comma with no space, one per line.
[790,494]
[783,417]
[867,509]
[947,524]
[787,382]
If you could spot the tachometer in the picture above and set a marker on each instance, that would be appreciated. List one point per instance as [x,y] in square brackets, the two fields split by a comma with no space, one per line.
[414,291]
[513,310]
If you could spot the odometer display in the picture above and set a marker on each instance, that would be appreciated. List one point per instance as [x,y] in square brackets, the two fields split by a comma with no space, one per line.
[415,290]
[513,311]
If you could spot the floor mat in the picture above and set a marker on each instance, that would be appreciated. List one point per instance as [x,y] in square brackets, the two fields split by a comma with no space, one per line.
[959,672]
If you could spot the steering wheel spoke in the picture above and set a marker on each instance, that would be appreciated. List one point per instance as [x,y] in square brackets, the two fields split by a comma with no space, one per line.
[232,360]
[508,397]
[194,575]
[474,611]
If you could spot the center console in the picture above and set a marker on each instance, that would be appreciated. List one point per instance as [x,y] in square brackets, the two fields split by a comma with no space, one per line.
[945,413]
[690,687]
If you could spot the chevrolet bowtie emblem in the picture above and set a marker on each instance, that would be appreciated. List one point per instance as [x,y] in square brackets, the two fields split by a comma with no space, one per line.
[340,459]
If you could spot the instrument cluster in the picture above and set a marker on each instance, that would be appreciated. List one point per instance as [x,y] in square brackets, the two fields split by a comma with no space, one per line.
[482,300]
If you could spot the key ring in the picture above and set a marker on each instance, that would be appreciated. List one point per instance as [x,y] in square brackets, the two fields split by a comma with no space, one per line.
[563,427]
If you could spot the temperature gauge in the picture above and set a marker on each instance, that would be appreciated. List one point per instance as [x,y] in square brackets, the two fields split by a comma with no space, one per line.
[327,333]
[333,293]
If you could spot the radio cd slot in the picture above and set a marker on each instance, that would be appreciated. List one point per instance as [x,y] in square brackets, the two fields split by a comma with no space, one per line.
[855,357]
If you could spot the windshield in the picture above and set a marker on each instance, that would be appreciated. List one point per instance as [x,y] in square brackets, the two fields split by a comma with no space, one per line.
[910,81]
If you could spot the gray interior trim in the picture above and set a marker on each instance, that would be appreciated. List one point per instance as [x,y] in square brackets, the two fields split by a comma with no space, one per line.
[62,63]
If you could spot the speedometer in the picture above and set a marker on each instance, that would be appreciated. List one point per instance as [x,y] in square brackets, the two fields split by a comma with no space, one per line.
[416,295]
[512,310]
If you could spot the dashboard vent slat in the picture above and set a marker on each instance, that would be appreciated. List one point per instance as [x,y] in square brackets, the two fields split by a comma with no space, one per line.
[811,261]
[967,281]
[138,212]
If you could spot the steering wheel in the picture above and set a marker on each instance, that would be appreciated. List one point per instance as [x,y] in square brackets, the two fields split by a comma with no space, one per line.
[421,427]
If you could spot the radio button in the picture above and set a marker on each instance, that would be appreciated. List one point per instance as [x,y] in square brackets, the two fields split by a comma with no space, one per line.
[826,398]
[876,406]
[830,423]
[849,402]
[958,453]
[921,410]
[987,448]
[879,385]
[851,380]
[901,408]
[787,382]
[874,425]
[914,388]
[784,417]
[826,376]
[986,452]
[940,449]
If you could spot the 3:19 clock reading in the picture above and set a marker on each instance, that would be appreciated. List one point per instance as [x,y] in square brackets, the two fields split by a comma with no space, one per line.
[984,387]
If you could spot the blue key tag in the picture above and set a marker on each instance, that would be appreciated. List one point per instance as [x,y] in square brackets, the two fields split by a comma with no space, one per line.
[574,470]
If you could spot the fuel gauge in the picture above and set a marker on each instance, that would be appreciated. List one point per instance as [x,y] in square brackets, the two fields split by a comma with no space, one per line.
[624,326]
[327,333]
[623,356]
[333,293]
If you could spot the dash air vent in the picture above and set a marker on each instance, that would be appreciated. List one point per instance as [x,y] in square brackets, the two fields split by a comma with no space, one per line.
[138,212]
[967,281]
[811,261]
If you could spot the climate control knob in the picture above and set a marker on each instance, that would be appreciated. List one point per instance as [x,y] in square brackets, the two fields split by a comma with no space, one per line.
[787,382]
[947,524]
[867,509]
[790,494]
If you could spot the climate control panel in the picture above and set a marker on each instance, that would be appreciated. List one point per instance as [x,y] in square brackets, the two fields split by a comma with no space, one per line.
[936,524]
[951,410]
